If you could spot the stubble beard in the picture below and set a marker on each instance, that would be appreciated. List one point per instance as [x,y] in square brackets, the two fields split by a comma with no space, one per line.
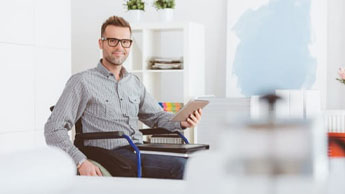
[116,61]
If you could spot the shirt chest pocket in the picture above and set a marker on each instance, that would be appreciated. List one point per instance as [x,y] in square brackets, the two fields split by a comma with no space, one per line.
[105,108]
[133,106]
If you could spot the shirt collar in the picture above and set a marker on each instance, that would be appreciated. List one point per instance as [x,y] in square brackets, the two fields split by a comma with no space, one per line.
[105,72]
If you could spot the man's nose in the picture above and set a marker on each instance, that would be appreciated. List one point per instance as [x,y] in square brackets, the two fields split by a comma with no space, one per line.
[119,45]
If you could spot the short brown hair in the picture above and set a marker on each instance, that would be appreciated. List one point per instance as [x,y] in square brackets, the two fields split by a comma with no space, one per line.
[115,21]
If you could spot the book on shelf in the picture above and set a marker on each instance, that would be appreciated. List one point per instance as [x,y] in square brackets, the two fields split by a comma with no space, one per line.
[172,107]
[166,63]
[166,66]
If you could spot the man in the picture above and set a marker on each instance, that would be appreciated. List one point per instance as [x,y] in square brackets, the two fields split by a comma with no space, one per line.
[108,98]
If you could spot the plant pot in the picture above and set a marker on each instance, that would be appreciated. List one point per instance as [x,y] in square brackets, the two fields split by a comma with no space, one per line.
[166,15]
[134,15]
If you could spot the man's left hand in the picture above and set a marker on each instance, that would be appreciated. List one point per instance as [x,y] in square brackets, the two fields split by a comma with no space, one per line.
[192,120]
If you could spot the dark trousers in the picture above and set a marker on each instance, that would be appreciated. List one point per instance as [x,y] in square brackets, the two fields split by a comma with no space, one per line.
[123,162]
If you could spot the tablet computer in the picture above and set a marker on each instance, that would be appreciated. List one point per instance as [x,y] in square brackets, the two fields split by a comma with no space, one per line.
[189,108]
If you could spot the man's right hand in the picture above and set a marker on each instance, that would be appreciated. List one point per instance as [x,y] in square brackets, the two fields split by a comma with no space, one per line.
[89,169]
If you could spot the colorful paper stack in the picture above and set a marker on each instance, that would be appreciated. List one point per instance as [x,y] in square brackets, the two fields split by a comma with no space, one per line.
[173,107]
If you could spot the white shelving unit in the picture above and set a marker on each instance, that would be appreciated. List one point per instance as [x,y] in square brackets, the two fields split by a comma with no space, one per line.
[170,40]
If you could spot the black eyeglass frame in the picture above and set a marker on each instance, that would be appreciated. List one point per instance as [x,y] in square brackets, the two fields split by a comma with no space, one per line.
[118,40]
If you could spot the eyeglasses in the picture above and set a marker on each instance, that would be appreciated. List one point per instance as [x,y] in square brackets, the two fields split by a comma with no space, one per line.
[113,42]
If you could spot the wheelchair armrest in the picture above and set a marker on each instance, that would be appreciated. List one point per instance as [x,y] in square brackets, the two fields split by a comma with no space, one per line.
[153,131]
[100,135]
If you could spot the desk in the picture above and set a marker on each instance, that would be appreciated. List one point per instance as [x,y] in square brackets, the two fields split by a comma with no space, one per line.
[106,185]
[100,185]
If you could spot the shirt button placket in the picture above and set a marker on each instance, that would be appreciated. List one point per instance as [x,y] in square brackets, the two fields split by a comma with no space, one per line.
[121,99]
[122,105]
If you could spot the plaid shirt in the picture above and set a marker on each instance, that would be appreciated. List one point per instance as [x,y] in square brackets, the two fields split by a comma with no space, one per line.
[104,104]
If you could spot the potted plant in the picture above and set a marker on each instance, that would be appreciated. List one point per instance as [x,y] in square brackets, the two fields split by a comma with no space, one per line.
[164,4]
[135,9]
[135,5]
[165,8]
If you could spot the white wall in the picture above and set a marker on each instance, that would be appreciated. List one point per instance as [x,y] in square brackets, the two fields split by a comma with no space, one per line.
[35,63]
[88,16]
[336,53]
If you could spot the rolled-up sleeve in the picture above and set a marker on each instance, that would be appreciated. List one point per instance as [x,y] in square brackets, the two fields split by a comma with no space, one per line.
[67,111]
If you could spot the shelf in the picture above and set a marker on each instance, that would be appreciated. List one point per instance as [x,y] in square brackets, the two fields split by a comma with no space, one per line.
[183,40]
[160,26]
[158,71]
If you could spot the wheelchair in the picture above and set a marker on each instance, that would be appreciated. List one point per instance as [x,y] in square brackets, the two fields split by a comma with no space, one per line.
[108,158]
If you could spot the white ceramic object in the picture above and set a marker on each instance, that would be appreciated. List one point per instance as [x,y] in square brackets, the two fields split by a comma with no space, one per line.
[135,15]
[166,15]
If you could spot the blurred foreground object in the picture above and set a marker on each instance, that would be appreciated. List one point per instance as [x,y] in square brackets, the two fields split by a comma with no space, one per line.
[42,170]
[264,156]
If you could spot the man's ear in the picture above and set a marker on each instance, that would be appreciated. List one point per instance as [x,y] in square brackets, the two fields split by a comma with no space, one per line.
[100,44]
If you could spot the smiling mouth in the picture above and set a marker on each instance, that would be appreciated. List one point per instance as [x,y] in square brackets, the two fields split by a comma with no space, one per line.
[117,53]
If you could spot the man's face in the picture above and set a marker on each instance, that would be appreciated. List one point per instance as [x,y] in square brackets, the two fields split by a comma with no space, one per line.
[115,55]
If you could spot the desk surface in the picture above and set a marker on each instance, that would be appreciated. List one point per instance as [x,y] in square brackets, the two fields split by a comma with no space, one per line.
[106,185]
[100,185]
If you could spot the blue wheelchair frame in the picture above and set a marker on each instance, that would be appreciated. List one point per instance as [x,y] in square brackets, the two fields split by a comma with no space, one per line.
[138,154]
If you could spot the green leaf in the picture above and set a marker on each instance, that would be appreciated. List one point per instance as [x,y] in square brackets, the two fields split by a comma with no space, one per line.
[163,4]
[135,4]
